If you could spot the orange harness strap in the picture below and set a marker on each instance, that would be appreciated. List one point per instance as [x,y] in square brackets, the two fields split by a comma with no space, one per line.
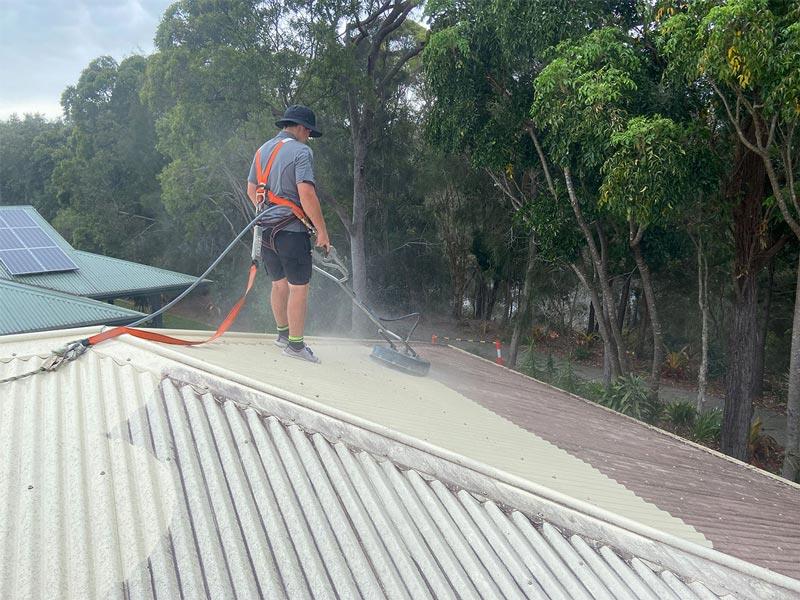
[166,339]
[262,175]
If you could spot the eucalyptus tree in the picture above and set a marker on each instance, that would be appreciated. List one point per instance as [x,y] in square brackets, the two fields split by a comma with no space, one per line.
[746,53]
[363,68]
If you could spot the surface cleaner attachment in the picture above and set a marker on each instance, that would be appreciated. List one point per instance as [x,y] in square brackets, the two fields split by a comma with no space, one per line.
[398,354]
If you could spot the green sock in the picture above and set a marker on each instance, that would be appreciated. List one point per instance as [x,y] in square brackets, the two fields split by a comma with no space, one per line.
[283,331]
[296,342]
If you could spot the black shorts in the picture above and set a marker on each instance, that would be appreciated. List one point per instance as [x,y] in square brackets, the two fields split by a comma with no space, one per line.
[291,257]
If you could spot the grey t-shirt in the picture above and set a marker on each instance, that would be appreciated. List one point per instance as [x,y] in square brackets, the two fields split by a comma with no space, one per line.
[293,164]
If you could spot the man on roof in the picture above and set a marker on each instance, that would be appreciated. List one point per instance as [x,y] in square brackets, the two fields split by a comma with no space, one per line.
[281,181]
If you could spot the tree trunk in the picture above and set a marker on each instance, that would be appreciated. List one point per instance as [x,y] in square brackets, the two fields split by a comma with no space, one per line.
[655,322]
[763,327]
[741,369]
[702,301]
[600,260]
[491,299]
[791,460]
[590,324]
[624,298]
[523,314]
[611,368]
[644,320]
[747,189]
[506,304]
[358,249]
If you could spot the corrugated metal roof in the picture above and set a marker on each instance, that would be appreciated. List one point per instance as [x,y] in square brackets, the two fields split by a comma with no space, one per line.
[98,276]
[27,308]
[425,409]
[119,485]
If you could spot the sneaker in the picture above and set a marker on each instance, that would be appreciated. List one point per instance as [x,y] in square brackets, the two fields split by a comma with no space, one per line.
[303,354]
[281,341]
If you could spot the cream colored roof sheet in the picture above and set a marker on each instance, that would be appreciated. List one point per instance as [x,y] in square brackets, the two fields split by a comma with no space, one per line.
[426,409]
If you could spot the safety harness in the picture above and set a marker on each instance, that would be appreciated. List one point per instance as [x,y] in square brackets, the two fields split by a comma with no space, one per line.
[263,193]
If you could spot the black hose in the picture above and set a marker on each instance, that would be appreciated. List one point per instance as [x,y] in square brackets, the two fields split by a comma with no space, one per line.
[200,279]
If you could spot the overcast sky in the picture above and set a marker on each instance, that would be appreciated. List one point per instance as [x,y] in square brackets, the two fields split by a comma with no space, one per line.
[45,44]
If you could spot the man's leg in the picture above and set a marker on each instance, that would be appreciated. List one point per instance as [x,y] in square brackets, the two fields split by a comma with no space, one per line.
[279,298]
[298,300]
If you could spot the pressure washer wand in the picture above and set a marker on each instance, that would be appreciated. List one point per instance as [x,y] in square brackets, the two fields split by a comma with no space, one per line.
[332,262]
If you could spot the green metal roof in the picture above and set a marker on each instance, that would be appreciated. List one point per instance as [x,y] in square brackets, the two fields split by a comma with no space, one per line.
[98,276]
[28,308]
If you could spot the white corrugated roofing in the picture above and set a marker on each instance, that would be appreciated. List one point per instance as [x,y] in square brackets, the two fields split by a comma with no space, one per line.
[131,478]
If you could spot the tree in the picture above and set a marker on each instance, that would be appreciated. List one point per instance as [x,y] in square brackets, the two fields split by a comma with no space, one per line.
[29,150]
[646,181]
[106,178]
[221,73]
[363,67]
[585,96]
[747,52]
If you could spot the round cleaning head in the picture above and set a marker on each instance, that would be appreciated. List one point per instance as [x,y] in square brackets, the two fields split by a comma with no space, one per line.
[401,361]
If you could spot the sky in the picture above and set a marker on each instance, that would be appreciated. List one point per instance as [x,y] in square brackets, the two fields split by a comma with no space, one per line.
[45,44]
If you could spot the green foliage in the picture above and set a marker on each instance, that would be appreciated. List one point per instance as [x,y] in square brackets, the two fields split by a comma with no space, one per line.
[566,379]
[550,367]
[681,414]
[630,396]
[593,390]
[29,149]
[583,96]
[648,176]
[746,46]
[106,178]
[581,353]
[528,364]
[707,426]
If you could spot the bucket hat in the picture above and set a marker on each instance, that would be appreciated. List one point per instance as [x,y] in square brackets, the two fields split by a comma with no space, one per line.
[297,114]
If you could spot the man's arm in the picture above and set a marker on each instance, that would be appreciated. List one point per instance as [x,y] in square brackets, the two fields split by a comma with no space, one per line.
[251,193]
[310,204]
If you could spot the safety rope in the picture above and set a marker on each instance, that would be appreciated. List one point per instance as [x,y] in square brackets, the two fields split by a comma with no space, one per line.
[56,358]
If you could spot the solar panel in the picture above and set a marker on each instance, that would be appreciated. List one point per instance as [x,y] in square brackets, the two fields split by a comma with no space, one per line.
[33,237]
[53,259]
[25,248]
[17,218]
[9,241]
[20,262]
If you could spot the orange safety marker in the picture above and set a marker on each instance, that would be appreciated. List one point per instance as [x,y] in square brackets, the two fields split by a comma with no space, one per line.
[499,360]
